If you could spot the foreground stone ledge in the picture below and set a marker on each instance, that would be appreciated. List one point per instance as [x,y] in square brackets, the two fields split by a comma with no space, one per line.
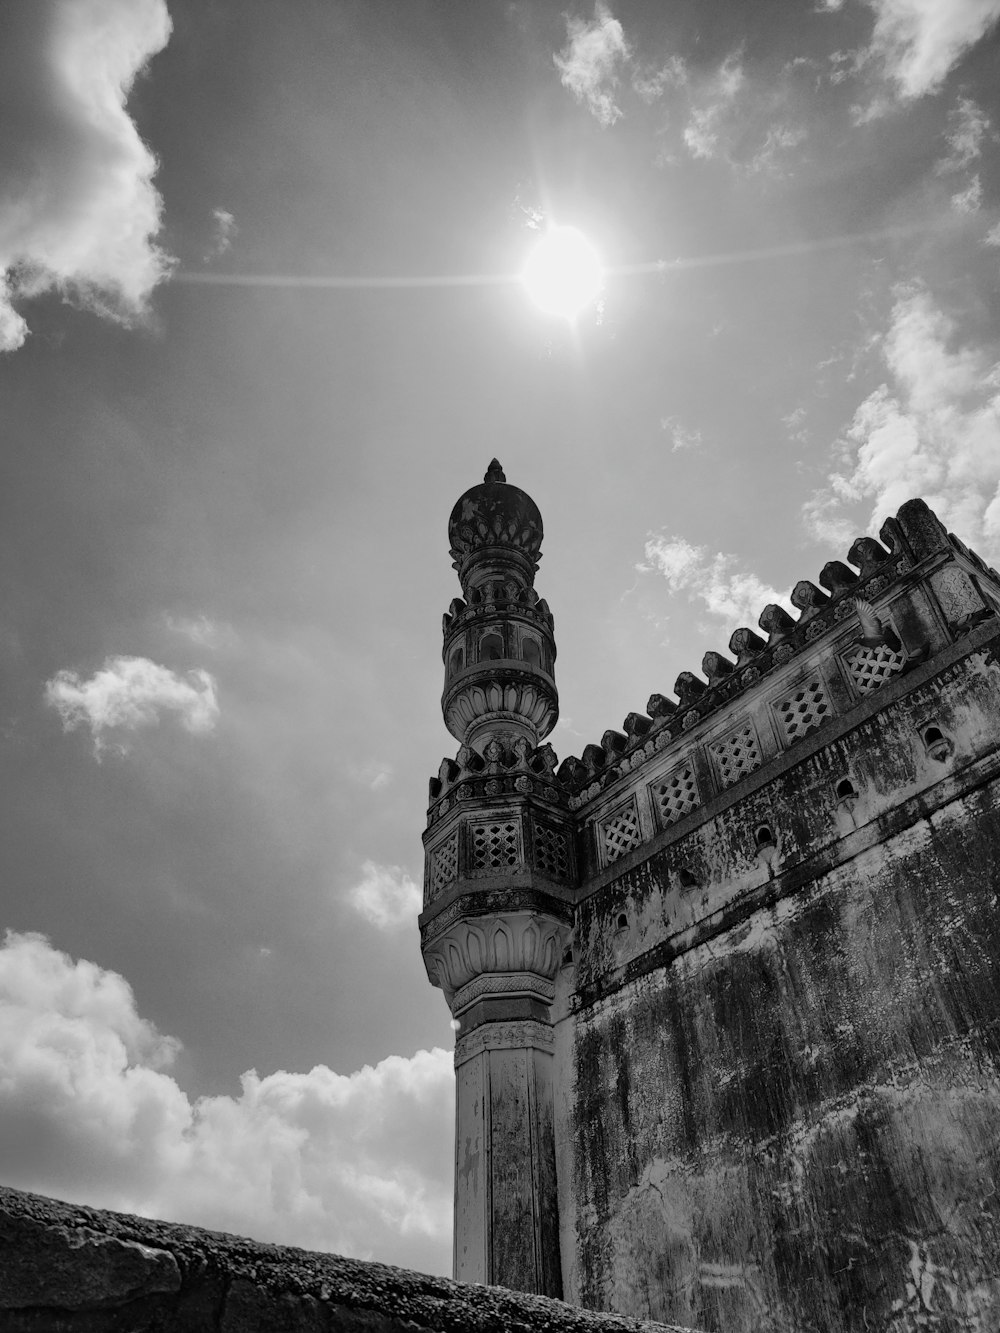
[84,1270]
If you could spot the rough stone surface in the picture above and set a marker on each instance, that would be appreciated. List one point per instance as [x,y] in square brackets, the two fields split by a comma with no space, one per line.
[65,1269]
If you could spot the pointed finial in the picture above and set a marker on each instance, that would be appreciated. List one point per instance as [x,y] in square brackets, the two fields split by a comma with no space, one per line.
[494,472]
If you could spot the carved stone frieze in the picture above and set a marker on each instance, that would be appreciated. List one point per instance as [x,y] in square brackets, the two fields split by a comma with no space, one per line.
[503,983]
[510,1035]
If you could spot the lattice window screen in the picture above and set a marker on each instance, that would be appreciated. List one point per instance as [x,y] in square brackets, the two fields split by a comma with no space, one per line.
[676,794]
[872,667]
[737,754]
[620,833]
[444,864]
[803,710]
[552,851]
[496,845]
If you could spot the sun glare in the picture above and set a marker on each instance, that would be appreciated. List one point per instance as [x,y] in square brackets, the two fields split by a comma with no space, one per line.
[563,274]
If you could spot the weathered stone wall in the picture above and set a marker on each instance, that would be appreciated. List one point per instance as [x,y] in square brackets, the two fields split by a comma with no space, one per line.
[78,1270]
[782,1072]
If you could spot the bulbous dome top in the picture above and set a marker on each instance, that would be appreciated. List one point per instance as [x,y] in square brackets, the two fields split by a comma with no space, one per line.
[495,515]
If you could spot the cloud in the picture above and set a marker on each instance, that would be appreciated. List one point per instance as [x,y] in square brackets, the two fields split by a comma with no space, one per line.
[968,126]
[225,230]
[358,1164]
[919,41]
[203,630]
[650,83]
[78,211]
[590,61]
[778,142]
[132,692]
[386,896]
[969,199]
[716,580]
[711,105]
[372,773]
[679,436]
[931,430]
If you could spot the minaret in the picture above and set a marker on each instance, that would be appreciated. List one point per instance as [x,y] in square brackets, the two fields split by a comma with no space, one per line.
[499,870]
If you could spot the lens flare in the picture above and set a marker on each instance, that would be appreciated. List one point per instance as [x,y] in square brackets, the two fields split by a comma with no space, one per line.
[563,274]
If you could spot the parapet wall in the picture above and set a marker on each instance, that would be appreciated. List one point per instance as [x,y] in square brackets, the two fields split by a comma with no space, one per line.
[67,1268]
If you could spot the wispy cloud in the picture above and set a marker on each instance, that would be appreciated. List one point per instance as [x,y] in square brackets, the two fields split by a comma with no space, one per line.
[711,103]
[680,436]
[78,210]
[918,42]
[717,580]
[353,1163]
[968,126]
[649,84]
[132,692]
[932,429]
[970,199]
[203,630]
[386,896]
[590,63]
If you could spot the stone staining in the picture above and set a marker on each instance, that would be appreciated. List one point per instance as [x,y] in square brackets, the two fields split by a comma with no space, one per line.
[760,1089]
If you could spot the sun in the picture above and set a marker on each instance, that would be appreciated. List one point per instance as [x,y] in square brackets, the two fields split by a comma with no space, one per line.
[563,274]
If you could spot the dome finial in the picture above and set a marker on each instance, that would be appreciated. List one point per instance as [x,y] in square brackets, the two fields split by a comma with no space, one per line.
[494,472]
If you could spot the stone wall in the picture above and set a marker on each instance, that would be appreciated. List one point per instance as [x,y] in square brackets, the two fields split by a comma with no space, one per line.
[65,1269]
[782,1068]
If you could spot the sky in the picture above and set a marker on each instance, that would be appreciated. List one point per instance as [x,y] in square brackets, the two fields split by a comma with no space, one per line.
[262,324]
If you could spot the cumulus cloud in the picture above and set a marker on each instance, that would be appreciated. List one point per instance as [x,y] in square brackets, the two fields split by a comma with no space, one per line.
[358,1164]
[386,896]
[919,41]
[78,210]
[717,580]
[589,64]
[932,429]
[132,692]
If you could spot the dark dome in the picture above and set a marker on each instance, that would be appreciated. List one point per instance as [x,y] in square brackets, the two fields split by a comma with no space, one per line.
[495,514]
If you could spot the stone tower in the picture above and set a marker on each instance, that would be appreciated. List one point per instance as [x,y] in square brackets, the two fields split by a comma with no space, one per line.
[497,913]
